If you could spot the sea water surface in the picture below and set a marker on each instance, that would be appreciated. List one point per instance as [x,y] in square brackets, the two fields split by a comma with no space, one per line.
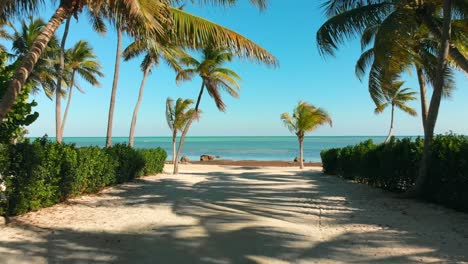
[238,148]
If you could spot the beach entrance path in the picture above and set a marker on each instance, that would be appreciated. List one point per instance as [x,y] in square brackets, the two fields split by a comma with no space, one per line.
[221,214]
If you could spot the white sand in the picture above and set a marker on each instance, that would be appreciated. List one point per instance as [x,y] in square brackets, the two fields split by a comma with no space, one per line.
[221,214]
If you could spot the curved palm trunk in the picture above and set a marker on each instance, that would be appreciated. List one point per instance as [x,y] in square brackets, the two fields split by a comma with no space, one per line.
[131,139]
[434,106]
[391,125]
[174,143]
[58,89]
[118,57]
[186,129]
[422,94]
[301,152]
[70,93]
[30,60]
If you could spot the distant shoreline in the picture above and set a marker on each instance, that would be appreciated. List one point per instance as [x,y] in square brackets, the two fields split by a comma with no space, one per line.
[254,163]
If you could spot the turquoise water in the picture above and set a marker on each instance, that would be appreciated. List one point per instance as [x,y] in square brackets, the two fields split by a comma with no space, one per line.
[237,148]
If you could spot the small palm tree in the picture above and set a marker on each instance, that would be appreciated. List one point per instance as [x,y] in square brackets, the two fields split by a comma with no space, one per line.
[177,116]
[154,52]
[396,97]
[305,118]
[81,60]
[214,79]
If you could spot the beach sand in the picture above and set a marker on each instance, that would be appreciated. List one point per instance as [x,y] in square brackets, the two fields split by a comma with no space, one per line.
[238,214]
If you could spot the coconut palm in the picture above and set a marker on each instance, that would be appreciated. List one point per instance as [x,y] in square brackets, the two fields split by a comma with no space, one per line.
[348,19]
[154,52]
[99,26]
[177,116]
[396,97]
[214,79]
[305,118]
[80,60]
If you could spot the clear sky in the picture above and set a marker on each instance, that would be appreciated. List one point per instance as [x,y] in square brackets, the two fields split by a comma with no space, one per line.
[287,31]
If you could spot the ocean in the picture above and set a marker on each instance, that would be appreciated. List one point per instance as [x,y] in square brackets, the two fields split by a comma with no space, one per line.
[238,148]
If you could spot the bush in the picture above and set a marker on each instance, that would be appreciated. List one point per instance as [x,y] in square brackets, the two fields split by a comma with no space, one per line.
[447,181]
[44,173]
[154,160]
[395,165]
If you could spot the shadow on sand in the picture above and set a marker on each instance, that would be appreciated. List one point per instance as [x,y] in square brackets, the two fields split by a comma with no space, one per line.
[244,200]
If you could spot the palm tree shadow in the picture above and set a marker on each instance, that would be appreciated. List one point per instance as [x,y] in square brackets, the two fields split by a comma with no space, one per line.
[239,218]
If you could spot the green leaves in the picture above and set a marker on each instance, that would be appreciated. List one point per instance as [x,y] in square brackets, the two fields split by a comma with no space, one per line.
[305,118]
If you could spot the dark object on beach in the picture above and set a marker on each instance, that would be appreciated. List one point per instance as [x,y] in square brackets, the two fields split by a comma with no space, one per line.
[218,157]
[184,159]
[207,157]
[296,159]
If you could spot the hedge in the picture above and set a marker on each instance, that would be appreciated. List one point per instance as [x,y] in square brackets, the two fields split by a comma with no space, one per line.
[394,166]
[43,173]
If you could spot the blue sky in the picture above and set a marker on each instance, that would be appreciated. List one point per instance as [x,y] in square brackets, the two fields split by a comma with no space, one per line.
[288,32]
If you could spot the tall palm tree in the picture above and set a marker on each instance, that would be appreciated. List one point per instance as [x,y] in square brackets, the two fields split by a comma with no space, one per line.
[99,26]
[396,97]
[80,60]
[214,79]
[140,18]
[154,52]
[348,19]
[177,116]
[305,118]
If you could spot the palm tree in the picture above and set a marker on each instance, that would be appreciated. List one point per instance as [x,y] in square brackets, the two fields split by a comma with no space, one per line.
[154,52]
[349,19]
[305,118]
[81,60]
[140,17]
[397,97]
[214,79]
[99,26]
[177,116]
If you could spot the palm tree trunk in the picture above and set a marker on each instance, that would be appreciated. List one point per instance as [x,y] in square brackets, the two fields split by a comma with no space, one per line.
[30,60]
[186,129]
[301,152]
[391,125]
[131,139]
[58,89]
[422,94]
[200,96]
[118,57]
[70,93]
[434,106]
[174,142]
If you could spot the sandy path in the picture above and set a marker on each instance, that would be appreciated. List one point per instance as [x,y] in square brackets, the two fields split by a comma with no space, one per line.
[221,214]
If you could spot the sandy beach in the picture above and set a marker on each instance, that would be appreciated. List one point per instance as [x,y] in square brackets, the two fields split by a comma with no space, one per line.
[238,214]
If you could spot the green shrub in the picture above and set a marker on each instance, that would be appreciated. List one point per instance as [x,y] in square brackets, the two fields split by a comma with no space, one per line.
[447,181]
[154,160]
[330,160]
[129,162]
[44,173]
[394,166]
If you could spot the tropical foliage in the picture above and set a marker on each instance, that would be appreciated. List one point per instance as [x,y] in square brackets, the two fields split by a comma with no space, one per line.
[177,117]
[81,61]
[215,79]
[305,118]
[396,97]
[153,53]
[430,35]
